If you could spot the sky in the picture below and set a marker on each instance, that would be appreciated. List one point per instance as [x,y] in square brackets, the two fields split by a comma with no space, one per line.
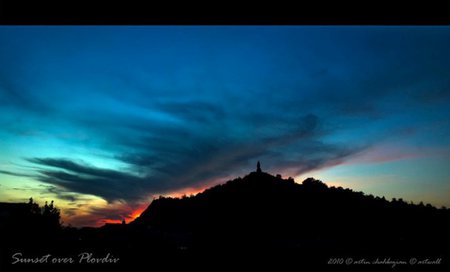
[102,119]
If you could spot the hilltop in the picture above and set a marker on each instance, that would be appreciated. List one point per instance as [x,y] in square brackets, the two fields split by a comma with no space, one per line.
[265,211]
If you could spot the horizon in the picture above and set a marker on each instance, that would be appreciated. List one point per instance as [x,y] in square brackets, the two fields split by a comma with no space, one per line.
[182,195]
[102,119]
[136,213]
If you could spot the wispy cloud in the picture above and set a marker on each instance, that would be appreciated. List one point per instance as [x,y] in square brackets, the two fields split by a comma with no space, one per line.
[17,174]
[200,160]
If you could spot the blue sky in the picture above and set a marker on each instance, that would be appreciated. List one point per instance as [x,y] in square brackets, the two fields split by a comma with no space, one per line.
[111,116]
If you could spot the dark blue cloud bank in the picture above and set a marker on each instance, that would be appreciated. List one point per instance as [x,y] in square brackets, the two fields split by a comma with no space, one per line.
[124,113]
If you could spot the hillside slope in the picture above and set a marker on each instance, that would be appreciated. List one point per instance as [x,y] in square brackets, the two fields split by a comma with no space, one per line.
[264,211]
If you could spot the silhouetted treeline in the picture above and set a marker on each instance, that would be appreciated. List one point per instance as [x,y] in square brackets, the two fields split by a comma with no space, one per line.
[261,210]
[29,216]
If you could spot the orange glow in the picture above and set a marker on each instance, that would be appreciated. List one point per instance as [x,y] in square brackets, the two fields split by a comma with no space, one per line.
[188,192]
[137,213]
[129,212]
[108,221]
[199,189]
[129,217]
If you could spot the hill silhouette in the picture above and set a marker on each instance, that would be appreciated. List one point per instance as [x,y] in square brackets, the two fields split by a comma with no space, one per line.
[253,222]
[265,211]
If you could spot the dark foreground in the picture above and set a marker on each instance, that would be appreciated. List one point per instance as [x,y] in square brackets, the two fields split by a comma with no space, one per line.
[257,222]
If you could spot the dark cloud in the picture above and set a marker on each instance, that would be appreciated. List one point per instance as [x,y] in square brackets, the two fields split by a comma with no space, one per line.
[78,168]
[73,177]
[15,174]
[316,155]
[61,193]
[114,212]
[192,163]
[69,212]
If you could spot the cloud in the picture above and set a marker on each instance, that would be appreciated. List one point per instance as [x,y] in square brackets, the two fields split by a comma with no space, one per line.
[73,177]
[16,174]
[78,168]
[69,212]
[384,153]
[171,165]
[62,193]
